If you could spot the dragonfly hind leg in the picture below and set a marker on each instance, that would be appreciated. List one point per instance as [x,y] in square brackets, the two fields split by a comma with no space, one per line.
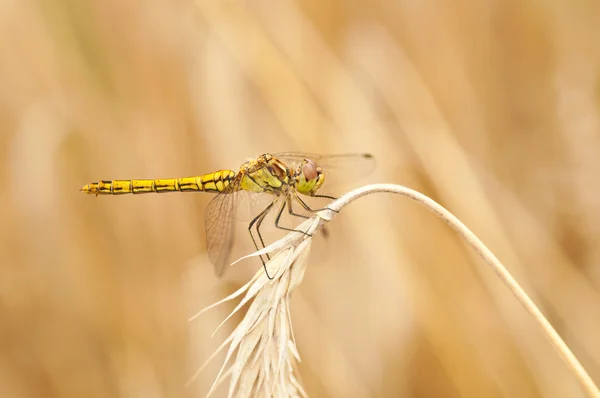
[258,221]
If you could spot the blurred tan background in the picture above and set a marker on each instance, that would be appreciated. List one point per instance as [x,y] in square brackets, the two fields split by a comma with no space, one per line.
[492,108]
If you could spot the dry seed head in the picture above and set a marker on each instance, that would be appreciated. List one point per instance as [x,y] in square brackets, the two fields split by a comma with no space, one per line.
[262,355]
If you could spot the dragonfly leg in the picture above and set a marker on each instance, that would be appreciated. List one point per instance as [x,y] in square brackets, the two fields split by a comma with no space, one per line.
[278,218]
[323,228]
[258,224]
[291,210]
[308,208]
[324,196]
[258,220]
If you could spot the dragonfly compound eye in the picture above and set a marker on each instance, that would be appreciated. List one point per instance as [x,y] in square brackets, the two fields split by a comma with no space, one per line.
[309,177]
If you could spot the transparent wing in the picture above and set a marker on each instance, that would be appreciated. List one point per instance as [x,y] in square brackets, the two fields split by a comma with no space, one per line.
[339,170]
[219,224]
[334,158]
[221,215]
[249,204]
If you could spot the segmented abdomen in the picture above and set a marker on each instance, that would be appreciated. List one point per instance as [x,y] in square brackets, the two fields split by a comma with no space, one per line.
[212,182]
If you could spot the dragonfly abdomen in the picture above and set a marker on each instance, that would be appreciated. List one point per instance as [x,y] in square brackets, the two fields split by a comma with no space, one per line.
[212,182]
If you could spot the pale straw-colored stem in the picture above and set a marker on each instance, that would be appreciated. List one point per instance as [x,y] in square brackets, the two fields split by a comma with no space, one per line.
[557,342]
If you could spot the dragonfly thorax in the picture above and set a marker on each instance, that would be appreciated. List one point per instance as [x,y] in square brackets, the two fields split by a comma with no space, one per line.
[308,177]
[265,174]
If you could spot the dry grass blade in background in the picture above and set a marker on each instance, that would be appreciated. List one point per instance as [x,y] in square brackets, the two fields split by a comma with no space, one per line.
[266,351]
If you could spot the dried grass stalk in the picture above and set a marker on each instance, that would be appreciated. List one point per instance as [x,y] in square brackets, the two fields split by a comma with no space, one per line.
[262,349]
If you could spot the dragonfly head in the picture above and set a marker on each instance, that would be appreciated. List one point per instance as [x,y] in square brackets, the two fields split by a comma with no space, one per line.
[308,177]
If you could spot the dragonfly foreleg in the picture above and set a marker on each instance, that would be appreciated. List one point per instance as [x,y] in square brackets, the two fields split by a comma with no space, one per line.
[308,208]
[323,228]
[324,196]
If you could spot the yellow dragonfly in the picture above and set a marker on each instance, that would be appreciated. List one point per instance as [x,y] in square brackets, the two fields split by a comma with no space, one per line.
[283,176]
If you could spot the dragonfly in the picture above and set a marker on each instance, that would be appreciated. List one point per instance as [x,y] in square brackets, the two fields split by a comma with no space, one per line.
[284,178]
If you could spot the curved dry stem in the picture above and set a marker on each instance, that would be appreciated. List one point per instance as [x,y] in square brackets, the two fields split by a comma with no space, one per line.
[266,352]
[557,342]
